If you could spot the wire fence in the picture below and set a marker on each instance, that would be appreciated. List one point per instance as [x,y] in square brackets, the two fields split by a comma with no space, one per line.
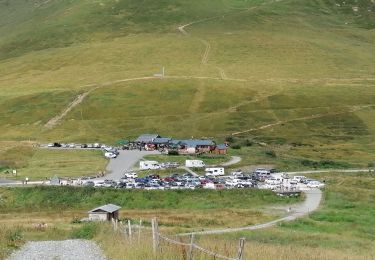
[134,232]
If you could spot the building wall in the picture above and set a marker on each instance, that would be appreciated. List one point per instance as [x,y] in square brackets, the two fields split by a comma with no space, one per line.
[98,216]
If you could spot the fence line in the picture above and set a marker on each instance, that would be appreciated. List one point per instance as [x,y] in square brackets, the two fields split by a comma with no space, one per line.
[157,236]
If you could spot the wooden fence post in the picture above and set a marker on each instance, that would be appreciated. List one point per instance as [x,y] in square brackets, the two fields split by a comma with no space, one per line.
[191,247]
[139,231]
[153,235]
[241,249]
[130,229]
[157,234]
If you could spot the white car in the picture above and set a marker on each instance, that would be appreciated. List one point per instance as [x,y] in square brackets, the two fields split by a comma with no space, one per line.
[315,184]
[131,175]
[110,155]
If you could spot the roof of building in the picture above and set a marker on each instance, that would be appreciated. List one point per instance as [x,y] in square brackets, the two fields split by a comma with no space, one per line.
[110,208]
[194,142]
[147,138]
[162,140]
[221,147]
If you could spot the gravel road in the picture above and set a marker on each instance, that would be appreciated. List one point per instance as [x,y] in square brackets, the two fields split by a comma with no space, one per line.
[126,160]
[59,250]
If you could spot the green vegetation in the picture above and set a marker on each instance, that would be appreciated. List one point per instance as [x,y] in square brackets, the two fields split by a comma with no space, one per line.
[77,198]
[345,220]
[38,164]
[206,158]
[304,68]
[86,231]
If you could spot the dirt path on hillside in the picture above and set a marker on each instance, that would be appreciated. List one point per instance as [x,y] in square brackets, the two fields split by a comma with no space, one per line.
[311,203]
[78,100]
[352,110]
[206,53]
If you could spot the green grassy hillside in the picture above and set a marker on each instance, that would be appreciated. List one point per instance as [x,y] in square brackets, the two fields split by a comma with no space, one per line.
[278,72]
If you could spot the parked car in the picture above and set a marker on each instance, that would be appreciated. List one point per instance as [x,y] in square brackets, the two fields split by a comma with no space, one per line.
[88,184]
[131,175]
[315,184]
[299,178]
[110,155]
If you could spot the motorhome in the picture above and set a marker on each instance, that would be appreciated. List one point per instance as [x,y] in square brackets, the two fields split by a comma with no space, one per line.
[149,165]
[194,164]
[214,171]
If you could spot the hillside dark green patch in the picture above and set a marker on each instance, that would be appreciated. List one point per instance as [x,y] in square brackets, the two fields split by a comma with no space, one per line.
[38,198]
[35,108]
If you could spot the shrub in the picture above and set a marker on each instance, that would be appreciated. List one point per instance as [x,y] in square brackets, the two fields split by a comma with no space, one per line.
[236,146]
[229,139]
[248,143]
[271,153]
[173,152]
[14,237]
[86,231]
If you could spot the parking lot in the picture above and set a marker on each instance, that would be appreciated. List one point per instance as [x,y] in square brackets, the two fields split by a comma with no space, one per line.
[122,173]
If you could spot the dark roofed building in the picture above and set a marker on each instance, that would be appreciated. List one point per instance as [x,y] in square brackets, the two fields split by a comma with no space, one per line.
[162,140]
[104,213]
[220,149]
[147,138]
[194,146]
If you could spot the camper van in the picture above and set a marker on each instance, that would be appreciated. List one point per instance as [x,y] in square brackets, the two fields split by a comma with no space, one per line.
[194,164]
[214,171]
[149,165]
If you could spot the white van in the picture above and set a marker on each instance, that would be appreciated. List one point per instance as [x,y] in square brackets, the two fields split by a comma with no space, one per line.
[262,171]
[274,181]
[214,171]
[194,164]
[149,165]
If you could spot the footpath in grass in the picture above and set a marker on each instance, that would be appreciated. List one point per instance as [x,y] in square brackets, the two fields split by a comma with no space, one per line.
[344,222]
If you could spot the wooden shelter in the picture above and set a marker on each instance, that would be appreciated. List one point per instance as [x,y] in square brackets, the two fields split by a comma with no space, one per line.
[107,212]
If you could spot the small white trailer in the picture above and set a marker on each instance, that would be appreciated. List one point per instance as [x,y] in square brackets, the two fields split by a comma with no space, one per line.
[149,165]
[194,164]
[219,171]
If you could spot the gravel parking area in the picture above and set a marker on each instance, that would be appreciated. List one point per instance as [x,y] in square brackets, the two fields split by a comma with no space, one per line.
[76,249]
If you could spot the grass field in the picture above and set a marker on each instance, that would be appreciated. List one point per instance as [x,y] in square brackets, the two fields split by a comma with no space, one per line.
[304,68]
[39,164]
[59,207]
[343,228]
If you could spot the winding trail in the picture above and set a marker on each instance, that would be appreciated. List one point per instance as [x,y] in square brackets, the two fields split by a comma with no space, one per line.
[311,203]
[232,161]
[78,100]
[351,110]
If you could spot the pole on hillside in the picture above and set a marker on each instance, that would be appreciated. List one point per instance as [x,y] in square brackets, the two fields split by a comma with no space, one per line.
[191,247]
[139,231]
[130,229]
[241,249]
